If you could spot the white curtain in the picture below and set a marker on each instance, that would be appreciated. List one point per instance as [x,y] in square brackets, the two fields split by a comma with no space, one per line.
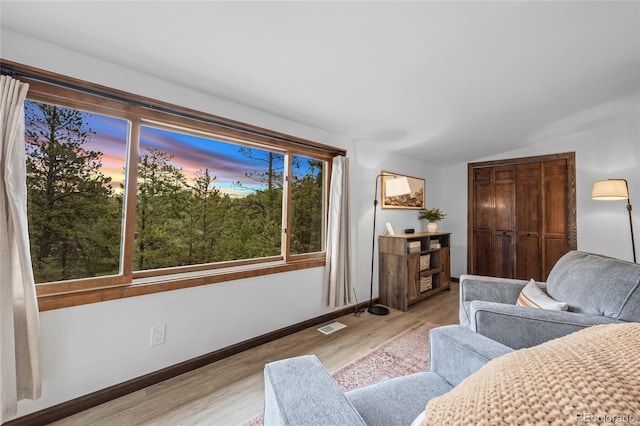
[337,274]
[19,321]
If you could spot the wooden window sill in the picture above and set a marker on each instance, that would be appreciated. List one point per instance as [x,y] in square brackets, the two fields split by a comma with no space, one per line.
[148,285]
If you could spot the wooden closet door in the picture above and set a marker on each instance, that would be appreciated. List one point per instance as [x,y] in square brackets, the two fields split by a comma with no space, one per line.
[554,225]
[529,219]
[522,215]
[504,246]
[482,221]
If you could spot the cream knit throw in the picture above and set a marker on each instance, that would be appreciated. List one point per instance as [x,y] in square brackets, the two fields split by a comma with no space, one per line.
[591,376]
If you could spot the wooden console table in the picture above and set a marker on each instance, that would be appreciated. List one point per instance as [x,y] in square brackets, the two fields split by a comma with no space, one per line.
[408,275]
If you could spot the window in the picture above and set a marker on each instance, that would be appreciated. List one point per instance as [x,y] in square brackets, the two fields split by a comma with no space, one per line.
[127,200]
[75,166]
[201,201]
[307,215]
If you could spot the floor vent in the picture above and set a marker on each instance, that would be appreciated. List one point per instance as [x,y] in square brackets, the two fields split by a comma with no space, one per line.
[330,328]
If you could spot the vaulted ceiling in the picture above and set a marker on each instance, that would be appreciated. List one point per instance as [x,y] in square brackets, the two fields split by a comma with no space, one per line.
[445,81]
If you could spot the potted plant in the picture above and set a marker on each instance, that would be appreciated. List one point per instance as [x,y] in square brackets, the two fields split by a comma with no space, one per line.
[433,216]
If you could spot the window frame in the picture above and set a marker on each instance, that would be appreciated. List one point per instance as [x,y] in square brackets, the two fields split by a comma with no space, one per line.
[141,111]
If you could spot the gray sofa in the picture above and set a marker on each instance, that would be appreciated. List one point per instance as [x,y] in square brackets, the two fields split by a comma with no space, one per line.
[598,289]
[300,391]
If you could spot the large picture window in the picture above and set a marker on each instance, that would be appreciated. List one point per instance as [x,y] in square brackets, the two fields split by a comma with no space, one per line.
[126,200]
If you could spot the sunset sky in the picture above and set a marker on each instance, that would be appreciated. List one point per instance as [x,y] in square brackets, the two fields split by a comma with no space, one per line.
[190,153]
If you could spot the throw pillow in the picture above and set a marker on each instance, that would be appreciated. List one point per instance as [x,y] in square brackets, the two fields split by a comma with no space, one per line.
[533,296]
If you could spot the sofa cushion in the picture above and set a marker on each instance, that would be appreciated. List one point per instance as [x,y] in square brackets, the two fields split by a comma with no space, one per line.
[597,285]
[397,401]
[532,296]
[595,371]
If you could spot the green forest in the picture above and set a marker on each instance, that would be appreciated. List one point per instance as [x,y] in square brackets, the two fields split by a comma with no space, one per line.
[76,216]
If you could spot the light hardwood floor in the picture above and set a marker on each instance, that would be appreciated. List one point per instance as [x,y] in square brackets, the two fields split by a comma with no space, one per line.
[231,391]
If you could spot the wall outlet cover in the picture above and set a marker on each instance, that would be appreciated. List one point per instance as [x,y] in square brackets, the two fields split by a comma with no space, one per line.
[158,334]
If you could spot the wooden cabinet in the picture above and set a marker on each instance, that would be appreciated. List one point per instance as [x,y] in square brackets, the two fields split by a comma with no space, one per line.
[521,215]
[408,275]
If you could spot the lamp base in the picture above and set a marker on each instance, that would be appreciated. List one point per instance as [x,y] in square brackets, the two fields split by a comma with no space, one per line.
[378,310]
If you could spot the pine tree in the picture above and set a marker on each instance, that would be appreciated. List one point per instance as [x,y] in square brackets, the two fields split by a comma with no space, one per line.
[159,211]
[202,213]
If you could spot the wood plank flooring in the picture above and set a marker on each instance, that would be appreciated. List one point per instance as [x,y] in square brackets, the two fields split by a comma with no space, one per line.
[231,391]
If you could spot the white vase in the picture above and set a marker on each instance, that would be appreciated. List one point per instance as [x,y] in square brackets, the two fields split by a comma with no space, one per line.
[432,226]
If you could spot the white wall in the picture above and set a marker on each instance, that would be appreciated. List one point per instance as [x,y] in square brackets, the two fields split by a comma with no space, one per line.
[90,347]
[606,140]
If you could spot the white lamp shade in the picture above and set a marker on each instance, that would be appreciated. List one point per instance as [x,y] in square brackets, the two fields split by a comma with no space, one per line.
[396,186]
[611,189]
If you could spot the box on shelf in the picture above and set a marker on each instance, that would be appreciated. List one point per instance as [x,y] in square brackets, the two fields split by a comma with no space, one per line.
[413,247]
[426,283]
[434,244]
[425,262]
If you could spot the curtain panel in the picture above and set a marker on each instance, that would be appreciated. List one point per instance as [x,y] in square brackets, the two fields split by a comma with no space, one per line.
[337,277]
[19,320]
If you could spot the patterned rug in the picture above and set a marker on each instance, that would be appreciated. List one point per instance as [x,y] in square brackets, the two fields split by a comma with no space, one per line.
[404,354]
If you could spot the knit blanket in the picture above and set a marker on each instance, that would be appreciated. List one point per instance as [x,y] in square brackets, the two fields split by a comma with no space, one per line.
[591,376]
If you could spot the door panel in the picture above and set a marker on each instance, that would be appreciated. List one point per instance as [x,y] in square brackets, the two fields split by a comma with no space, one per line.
[483,253]
[483,200]
[528,263]
[445,261]
[413,277]
[528,198]
[504,262]
[554,248]
[555,197]
[504,207]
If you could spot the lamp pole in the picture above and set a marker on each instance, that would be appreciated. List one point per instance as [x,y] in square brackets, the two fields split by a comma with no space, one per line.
[629,208]
[375,310]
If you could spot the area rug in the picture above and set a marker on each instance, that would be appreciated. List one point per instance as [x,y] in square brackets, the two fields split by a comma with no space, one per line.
[403,354]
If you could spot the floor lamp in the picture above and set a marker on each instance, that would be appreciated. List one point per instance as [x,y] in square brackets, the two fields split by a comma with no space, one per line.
[615,189]
[394,186]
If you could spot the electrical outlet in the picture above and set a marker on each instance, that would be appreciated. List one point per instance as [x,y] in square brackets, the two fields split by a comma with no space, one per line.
[157,334]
